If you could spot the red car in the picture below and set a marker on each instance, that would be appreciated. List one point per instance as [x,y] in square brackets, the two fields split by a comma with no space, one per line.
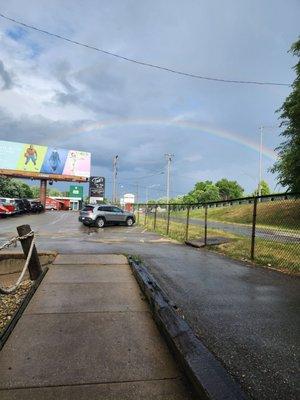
[3,211]
[7,209]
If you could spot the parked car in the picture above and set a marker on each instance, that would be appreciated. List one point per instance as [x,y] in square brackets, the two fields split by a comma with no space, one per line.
[101,215]
[4,212]
[36,206]
[51,207]
[11,208]
[27,205]
[19,205]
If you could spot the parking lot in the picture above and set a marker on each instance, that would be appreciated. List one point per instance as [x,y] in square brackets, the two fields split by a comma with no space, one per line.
[247,316]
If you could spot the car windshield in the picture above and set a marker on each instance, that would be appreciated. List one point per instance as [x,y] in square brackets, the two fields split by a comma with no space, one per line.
[88,208]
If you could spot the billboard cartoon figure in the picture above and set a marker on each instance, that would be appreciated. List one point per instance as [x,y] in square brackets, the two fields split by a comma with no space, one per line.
[78,163]
[54,160]
[30,155]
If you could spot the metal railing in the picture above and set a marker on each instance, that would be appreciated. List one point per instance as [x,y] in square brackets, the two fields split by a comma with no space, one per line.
[32,263]
[263,229]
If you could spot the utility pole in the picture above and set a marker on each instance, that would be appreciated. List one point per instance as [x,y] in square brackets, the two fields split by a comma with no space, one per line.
[260,160]
[169,159]
[115,173]
[137,193]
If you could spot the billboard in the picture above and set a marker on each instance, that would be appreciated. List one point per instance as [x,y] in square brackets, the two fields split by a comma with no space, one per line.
[97,186]
[35,161]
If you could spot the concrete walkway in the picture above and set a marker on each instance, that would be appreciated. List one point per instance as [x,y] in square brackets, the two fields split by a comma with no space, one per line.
[88,334]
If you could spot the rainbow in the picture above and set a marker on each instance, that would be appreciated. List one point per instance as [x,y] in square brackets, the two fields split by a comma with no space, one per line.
[176,122]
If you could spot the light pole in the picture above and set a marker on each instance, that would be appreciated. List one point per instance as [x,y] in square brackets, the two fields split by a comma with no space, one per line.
[261,130]
[169,159]
[115,173]
[260,159]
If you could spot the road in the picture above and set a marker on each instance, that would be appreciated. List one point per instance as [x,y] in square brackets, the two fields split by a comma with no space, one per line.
[248,317]
[283,236]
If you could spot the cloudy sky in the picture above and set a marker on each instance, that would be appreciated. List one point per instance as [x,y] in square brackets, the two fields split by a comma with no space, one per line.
[56,93]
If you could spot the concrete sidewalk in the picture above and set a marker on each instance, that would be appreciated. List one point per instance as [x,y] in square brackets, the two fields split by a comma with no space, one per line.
[88,334]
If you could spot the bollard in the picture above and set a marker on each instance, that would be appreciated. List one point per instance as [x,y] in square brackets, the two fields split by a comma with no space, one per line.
[34,265]
[253,228]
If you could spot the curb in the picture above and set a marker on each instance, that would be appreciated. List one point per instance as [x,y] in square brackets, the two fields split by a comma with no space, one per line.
[18,313]
[208,377]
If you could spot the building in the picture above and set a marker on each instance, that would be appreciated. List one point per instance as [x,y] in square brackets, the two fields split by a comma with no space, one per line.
[63,203]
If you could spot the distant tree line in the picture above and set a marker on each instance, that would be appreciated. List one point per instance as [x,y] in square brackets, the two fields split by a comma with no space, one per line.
[205,191]
[15,188]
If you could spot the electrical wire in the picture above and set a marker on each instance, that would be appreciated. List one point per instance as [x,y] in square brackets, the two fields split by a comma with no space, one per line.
[143,63]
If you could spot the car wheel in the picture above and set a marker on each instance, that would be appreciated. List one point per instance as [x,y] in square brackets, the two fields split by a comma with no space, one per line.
[100,222]
[129,221]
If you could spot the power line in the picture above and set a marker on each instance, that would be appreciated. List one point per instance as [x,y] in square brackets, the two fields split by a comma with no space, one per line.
[145,64]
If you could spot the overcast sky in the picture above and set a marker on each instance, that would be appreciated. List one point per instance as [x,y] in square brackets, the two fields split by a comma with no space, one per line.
[56,93]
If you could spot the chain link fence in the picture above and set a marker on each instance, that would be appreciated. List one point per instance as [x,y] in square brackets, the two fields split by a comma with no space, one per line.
[263,229]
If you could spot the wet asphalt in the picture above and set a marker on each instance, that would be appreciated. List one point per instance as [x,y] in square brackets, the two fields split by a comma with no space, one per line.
[247,316]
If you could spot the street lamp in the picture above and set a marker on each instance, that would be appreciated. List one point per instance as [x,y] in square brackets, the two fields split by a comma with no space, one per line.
[261,130]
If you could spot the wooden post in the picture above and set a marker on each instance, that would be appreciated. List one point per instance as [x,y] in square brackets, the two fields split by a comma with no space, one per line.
[205,225]
[145,219]
[253,228]
[34,265]
[155,215]
[138,213]
[187,223]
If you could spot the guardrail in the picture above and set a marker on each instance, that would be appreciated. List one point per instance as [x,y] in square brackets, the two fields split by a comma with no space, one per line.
[32,263]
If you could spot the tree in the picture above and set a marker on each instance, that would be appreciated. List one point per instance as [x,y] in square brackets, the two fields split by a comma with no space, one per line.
[229,189]
[202,192]
[288,164]
[14,188]
[35,191]
[264,189]
[54,192]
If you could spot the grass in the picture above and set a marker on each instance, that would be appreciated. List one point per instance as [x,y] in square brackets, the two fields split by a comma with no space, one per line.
[283,214]
[282,256]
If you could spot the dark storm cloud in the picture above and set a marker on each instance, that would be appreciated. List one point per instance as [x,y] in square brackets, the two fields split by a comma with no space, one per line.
[232,39]
[7,82]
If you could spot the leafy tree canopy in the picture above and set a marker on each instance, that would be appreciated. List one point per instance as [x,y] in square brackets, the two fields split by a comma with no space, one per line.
[15,189]
[229,189]
[288,164]
[264,188]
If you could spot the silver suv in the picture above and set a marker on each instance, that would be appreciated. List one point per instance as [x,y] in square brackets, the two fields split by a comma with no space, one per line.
[100,215]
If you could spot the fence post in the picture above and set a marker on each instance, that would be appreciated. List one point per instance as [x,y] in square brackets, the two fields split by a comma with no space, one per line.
[155,215]
[168,219]
[145,215]
[205,225]
[34,265]
[138,214]
[253,228]
[187,223]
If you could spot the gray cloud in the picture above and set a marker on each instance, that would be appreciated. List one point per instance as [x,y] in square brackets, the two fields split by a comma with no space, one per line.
[229,39]
[6,78]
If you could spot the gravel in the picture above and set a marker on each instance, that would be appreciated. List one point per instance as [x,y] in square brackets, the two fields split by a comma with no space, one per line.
[11,302]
